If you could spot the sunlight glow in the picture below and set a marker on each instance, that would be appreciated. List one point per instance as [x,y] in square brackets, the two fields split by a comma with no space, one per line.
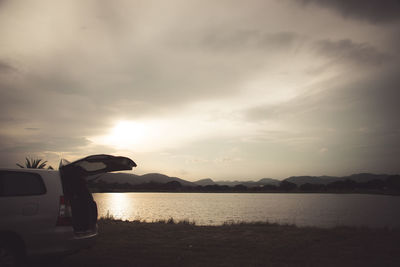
[170,132]
[124,134]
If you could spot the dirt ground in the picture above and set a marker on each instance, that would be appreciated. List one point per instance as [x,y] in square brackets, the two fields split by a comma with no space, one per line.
[171,244]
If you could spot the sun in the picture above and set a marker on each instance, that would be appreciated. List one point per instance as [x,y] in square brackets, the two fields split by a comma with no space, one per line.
[125,134]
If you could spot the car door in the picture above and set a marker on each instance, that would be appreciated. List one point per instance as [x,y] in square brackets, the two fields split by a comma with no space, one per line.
[22,195]
[84,209]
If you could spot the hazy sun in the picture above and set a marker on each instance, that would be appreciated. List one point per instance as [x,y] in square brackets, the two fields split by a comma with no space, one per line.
[125,134]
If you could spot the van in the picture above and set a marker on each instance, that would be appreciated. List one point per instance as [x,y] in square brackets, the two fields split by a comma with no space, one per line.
[47,212]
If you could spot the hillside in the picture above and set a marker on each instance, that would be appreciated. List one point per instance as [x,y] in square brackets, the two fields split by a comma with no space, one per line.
[324,180]
[261,182]
[299,180]
[156,182]
[204,182]
[133,179]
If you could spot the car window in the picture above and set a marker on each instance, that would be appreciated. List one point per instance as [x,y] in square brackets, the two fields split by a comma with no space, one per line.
[21,184]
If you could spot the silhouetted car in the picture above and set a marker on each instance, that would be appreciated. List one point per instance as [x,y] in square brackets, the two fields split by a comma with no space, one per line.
[44,212]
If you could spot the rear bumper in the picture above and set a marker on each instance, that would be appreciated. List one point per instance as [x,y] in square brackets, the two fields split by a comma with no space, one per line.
[63,242]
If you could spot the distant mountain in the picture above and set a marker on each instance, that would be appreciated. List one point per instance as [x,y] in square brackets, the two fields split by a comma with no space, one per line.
[359,178]
[133,179]
[119,178]
[162,179]
[299,180]
[204,182]
[365,177]
[228,183]
[261,182]
[269,181]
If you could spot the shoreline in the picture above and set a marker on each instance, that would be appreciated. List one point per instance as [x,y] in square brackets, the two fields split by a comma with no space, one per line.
[255,192]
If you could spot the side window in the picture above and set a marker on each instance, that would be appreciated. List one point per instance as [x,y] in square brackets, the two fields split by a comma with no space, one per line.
[20,184]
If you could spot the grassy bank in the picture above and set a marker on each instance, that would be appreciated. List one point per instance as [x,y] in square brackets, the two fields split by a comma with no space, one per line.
[259,244]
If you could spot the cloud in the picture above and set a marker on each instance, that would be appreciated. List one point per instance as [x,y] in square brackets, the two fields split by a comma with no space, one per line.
[331,119]
[338,112]
[370,98]
[193,67]
[35,144]
[5,67]
[350,51]
[374,11]
[245,40]
[110,65]
[323,150]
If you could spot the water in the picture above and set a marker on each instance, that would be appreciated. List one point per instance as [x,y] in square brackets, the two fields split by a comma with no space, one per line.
[324,210]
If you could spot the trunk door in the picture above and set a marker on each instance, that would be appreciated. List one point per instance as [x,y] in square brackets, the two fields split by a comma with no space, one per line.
[84,208]
[97,164]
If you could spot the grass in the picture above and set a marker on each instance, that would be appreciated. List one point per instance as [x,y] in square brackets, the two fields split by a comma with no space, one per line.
[109,217]
[182,243]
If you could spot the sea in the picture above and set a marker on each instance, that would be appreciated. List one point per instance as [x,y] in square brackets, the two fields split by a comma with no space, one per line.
[321,210]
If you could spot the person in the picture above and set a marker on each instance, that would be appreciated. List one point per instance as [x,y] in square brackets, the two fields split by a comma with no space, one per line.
[83,207]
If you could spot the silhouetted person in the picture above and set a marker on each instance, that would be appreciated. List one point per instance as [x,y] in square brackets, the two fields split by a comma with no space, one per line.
[84,211]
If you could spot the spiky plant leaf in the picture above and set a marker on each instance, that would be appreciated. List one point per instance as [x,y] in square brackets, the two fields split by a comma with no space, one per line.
[34,164]
[19,165]
[28,163]
[42,165]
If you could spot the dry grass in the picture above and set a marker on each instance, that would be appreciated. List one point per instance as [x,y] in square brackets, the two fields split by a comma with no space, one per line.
[170,243]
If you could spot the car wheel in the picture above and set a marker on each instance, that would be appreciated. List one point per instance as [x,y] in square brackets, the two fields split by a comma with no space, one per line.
[8,256]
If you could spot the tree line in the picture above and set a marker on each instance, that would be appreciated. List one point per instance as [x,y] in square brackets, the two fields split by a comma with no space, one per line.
[390,185]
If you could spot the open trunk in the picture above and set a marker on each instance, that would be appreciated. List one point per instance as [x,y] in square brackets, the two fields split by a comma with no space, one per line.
[83,207]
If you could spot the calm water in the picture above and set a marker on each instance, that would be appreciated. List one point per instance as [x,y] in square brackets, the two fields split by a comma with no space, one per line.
[324,210]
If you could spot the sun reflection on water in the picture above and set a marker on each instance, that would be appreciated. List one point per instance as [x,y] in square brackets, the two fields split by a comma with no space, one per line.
[118,205]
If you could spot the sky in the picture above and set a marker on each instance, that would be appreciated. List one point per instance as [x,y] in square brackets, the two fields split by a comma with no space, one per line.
[198,89]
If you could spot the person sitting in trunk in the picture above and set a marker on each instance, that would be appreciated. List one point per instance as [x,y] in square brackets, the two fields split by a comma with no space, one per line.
[82,203]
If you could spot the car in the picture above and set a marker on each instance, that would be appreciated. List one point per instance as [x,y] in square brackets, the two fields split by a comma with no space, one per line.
[48,212]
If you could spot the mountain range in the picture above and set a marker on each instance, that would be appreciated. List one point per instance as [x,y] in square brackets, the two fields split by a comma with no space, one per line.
[133,179]
[359,178]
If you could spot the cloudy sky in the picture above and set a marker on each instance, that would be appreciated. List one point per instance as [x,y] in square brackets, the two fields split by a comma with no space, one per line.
[196,88]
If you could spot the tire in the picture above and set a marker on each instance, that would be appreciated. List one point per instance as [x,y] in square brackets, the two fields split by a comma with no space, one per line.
[11,253]
[8,256]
